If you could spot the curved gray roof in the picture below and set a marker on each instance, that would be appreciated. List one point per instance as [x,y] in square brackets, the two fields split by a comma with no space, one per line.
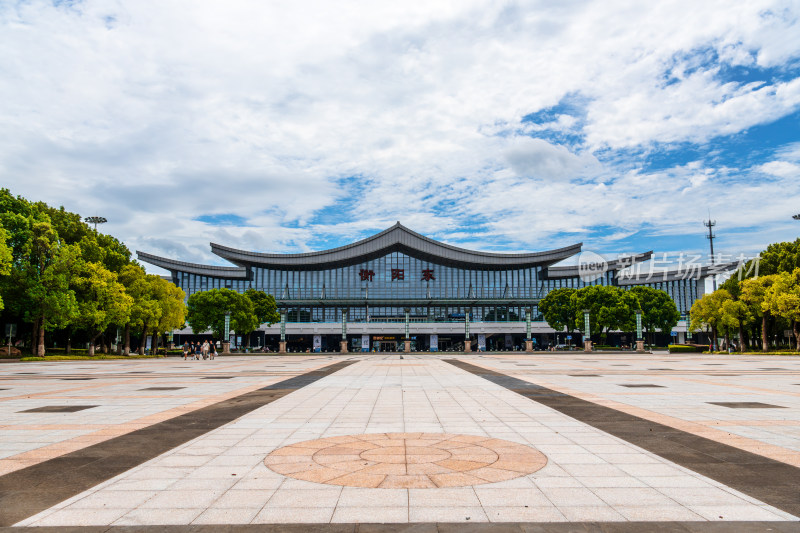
[573,271]
[396,238]
[193,268]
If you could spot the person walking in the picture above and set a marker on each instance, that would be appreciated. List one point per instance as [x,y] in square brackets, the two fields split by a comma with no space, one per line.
[185,349]
[198,351]
[204,349]
[212,349]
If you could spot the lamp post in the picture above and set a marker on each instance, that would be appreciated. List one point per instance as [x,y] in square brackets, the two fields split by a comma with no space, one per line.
[587,336]
[95,221]
[639,340]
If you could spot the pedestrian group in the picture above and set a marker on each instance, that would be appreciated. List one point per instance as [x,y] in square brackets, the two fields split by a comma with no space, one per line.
[199,350]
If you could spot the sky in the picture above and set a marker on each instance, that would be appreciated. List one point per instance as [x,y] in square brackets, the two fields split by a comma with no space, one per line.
[497,126]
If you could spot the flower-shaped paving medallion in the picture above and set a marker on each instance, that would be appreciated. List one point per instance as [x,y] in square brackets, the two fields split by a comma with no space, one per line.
[406,460]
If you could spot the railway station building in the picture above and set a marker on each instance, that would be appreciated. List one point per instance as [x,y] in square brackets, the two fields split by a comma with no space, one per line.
[399,286]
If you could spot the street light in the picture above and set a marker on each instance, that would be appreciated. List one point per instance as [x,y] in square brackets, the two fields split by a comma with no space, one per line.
[95,221]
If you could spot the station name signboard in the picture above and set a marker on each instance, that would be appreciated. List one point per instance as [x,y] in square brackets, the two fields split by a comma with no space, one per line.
[397,274]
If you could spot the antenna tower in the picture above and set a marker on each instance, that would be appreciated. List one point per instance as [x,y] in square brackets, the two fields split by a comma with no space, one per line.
[710,225]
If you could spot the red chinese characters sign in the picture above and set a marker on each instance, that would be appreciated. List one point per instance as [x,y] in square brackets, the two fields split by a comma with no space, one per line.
[398,274]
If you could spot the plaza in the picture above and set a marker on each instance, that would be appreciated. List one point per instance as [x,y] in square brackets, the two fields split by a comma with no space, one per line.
[395,442]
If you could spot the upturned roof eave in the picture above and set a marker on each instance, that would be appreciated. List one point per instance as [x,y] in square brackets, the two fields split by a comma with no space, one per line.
[397,237]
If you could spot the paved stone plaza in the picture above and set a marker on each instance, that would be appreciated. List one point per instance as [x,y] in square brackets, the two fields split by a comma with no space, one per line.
[535,441]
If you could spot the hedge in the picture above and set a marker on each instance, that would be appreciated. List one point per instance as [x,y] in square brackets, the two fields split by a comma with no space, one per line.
[687,348]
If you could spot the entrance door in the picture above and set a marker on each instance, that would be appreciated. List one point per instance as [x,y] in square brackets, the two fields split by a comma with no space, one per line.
[388,346]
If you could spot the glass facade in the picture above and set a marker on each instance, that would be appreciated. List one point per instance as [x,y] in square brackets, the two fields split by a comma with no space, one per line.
[379,289]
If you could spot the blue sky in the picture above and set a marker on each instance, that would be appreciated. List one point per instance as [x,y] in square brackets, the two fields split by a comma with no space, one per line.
[495,126]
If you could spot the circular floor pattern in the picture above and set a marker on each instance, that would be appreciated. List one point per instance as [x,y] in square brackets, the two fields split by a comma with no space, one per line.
[405,460]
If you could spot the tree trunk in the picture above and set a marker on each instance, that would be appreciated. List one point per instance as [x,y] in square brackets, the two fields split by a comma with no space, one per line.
[69,344]
[91,343]
[713,343]
[127,349]
[796,329]
[247,341]
[727,340]
[156,338]
[40,340]
[35,337]
[143,341]
[764,336]
[741,337]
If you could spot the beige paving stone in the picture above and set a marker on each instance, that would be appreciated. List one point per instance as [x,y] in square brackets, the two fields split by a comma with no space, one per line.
[294,515]
[81,517]
[447,514]
[378,515]
[524,514]
[327,497]
[234,499]
[228,515]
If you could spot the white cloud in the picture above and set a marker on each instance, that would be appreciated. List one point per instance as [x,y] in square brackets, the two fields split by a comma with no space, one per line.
[154,114]
[537,158]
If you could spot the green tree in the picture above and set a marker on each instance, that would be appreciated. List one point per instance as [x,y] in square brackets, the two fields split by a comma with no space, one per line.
[754,294]
[169,299]
[558,309]
[5,258]
[102,300]
[264,305]
[779,257]
[706,312]
[783,299]
[610,308]
[266,309]
[206,311]
[145,310]
[40,279]
[658,310]
[737,315]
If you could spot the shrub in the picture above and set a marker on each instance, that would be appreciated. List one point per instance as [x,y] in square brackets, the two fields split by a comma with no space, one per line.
[688,348]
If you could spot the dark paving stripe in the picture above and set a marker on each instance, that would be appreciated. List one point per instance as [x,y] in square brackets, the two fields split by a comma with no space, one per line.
[641,385]
[747,405]
[59,409]
[429,527]
[772,482]
[33,489]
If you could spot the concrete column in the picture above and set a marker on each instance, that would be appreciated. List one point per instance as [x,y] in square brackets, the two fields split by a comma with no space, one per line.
[587,346]
[282,347]
[343,346]
[467,346]
[639,346]
[407,345]
[226,347]
[528,346]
